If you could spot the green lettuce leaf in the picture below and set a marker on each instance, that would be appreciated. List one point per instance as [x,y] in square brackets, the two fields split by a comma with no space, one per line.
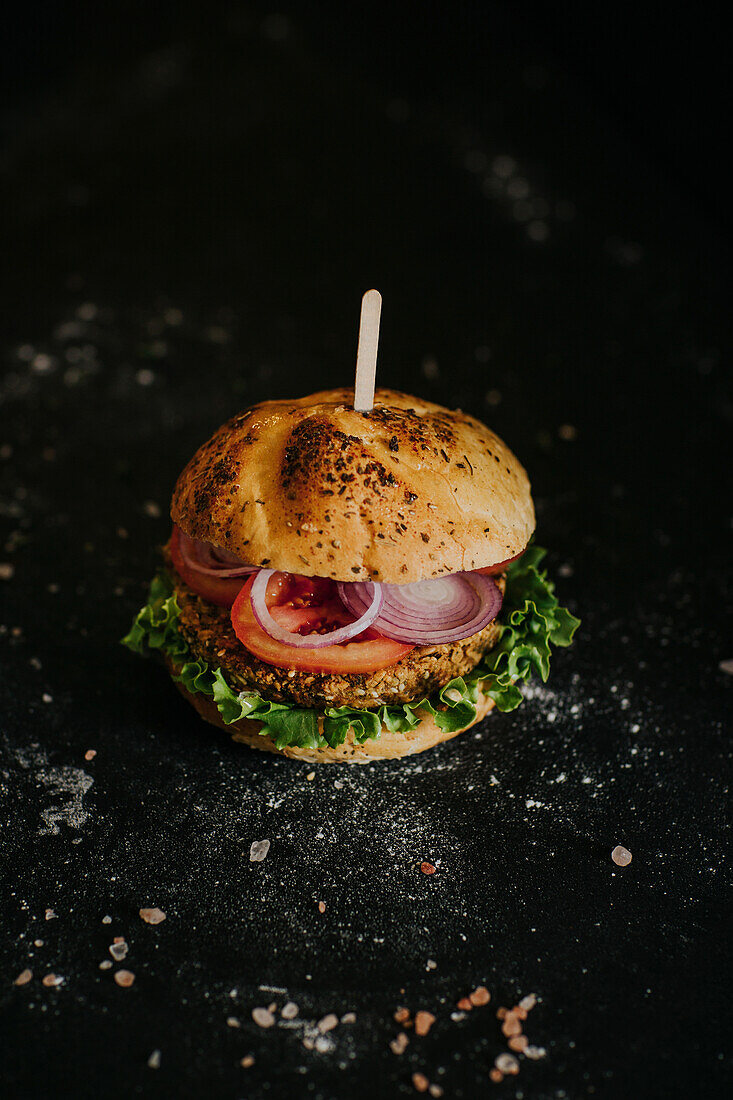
[531,621]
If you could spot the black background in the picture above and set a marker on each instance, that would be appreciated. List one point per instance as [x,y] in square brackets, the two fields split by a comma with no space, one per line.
[195,201]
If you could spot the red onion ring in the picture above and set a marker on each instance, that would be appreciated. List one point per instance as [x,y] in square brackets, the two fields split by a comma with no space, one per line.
[432,612]
[210,560]
[309,641]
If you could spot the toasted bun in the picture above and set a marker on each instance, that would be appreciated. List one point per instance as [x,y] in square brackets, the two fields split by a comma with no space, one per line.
[389,746]
[408,491]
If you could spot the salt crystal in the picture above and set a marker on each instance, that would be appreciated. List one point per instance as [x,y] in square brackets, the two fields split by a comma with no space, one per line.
[621,856]
[118,951]
[263,1017]
[152,916]
[258,850]
[507,1063]
[154,1060]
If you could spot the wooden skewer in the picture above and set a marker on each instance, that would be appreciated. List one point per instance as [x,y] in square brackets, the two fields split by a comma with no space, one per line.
[366,355]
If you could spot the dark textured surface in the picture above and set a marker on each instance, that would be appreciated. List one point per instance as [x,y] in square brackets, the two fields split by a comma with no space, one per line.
[191,232]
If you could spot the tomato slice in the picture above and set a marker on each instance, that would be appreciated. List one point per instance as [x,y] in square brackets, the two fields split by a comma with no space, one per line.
[309,605]
[490,570]
[219,590]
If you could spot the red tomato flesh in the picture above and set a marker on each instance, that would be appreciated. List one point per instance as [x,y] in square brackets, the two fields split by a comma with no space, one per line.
[219,590]
[309,605]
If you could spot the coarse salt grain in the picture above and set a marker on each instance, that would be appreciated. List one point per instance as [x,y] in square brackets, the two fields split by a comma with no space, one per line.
[258,850]
[535,1053]
[511,1026]
[152,916]
[24,977]
[621,856]
[263,1017]
[423,1022]
[507,1063]
[399,1044]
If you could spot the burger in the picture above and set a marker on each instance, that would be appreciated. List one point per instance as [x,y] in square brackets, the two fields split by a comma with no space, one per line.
[351,586]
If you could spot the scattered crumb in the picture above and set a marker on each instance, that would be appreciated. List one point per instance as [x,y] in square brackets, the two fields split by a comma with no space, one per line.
[52,981]
[399,1045]
[289,1011]
[621,856]
[423,1022]
[50,915]
[480,996]
[124,978]
[106,964]
[311,776]
[90,754]
[258,850]
[232,1021]
[420,1082]
[402,1016]
[321,907]
[150,508]
[152,916]
[328,1023]
[119,949]
[435,1090]
[528,1002]
[427,868]
[46,697]
[24,977]
[154,1060]
[567,432]
[247,1061]
[38,943]
[535,1053]
[7,571]
[464,1004]
[496,1075]
[726,666]
[348,1018]
[263,1017]
[431,965]
[518,1043]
